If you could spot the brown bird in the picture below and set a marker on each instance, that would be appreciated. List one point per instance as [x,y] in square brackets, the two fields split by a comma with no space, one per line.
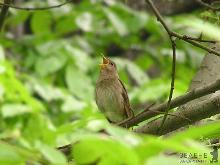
[111,95]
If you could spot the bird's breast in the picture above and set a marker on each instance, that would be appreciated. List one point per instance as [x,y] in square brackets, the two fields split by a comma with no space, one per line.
[110,100]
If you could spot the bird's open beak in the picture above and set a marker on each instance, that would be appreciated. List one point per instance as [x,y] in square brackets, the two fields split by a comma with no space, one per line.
[105,62]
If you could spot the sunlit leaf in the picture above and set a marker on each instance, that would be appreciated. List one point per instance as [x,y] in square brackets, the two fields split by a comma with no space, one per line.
[72,104]
[51,154]
[84,21]
[198,132]
[117,23]
[9,156]
[41,22]
[213,30]
[78,83]
[45,66]
[10,110]
[88,151]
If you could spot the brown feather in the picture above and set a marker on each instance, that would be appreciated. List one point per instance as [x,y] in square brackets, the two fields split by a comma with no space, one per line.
[111,95]
[127,106]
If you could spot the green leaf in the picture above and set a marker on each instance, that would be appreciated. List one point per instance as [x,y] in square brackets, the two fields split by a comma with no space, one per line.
[84,21]
[71,104]
[103,151]
[117,23]
[80,57]
[15,90]
[165,159]
[2,53]
[18,17]
[51,154]
[61,24]
[152,90]
[51,64]
[133,19]
[79,83]
[9,156]
[41,22]
[197,132]
[44,130]
[206,28]
[11,110]
[48,92]
[158,145]
[136,73]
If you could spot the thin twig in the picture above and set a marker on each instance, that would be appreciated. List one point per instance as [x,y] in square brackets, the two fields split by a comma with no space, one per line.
[170,114]
[173,44]
[182,37]
[195,43]
[172,82]
[199,39]
[36,8]
[207,5]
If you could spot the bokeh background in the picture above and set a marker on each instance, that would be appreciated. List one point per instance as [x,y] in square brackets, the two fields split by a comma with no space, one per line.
[49,67]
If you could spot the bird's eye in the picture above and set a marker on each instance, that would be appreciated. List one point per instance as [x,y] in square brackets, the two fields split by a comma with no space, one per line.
[112,64]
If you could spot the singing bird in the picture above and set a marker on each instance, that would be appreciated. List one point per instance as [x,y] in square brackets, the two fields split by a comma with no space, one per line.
[111,95]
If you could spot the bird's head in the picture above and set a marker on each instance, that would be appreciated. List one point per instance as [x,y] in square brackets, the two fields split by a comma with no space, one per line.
[108,68]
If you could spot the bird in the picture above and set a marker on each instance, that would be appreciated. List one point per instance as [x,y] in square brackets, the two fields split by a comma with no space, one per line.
[110,94]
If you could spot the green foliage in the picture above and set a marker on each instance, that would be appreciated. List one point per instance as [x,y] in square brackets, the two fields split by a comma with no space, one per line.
[48,75]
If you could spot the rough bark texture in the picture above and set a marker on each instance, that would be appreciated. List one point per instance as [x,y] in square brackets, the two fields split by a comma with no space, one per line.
[197,109]
[208,72]
[194,112]
[178,101]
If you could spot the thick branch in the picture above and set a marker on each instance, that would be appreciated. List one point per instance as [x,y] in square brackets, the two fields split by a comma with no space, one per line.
[195,113]
[189,96]
[174,34]
[3,13]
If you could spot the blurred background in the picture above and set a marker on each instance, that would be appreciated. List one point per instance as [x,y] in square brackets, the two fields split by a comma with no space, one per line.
[49,62]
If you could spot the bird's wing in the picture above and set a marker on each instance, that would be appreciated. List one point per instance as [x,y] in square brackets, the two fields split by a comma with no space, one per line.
[127,106]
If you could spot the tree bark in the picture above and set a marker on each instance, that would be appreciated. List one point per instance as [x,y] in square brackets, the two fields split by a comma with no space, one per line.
[196,109]
[196,112]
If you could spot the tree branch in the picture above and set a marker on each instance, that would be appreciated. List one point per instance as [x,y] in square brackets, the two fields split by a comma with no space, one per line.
[171,35]
[190,40]
[199,39]
[195,43]
[35,8]
[206,5]
[189,96]
[195,113]
[173,44]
